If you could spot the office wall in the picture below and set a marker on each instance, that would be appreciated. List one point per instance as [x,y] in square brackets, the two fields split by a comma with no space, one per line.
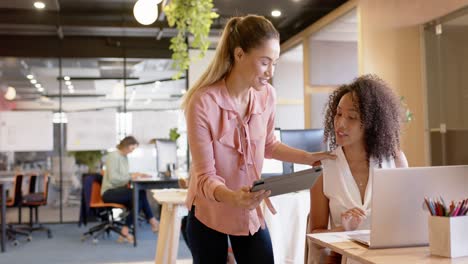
[332,62]
[289,85]
[391,45]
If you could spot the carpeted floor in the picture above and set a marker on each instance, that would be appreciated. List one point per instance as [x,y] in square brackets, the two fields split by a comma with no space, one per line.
[66,247]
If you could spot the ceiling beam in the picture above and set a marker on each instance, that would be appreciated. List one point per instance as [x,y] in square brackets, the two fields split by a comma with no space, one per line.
[84,47]
[84,19]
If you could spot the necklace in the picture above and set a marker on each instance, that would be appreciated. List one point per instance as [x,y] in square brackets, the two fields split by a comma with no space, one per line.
[360,183]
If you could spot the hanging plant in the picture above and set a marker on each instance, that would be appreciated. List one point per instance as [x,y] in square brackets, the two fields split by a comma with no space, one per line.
[189,17]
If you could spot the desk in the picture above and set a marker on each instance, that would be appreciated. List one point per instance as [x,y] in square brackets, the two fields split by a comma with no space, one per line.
[172,202]
[3,215]
[340,243]
[144,184]
[3,189]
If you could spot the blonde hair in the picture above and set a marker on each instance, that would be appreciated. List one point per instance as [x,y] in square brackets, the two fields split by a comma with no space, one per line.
[246,32]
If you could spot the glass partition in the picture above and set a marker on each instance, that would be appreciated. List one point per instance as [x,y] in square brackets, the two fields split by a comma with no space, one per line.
[65,108]
[446,43]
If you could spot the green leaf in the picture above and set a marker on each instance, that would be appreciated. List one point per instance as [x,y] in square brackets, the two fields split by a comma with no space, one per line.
[193,17]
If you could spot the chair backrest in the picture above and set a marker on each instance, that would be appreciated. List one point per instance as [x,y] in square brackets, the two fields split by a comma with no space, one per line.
[96,197]
[32,183]
[39,197]
[17,192]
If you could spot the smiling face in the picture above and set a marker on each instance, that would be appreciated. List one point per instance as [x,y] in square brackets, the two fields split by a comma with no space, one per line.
[258,65]
[347,122]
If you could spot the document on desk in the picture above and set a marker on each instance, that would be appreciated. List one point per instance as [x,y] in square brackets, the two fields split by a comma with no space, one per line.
[288,183]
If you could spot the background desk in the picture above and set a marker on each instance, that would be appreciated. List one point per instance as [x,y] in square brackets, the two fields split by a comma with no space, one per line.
[288,227]
[340,243]
[3,214]
[173,208]
[144,184]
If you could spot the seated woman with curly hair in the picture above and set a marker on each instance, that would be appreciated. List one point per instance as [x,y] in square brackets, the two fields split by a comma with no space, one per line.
[362,128]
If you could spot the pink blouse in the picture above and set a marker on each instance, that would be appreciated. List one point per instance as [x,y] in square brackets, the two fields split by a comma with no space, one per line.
[228,151]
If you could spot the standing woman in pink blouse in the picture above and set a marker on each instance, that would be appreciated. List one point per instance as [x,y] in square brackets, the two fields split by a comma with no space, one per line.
[230,114]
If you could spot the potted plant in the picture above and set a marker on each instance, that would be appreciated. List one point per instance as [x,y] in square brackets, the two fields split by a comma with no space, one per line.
[189,17]
[174,134]
[90,158]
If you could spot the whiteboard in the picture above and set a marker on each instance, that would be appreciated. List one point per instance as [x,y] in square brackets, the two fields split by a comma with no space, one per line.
[147,125]
[26,131]
[93,130]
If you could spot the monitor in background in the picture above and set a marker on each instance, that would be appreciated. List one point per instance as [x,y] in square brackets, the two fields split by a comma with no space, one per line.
[142,159]
[166,154]
[272,167]
[310,140]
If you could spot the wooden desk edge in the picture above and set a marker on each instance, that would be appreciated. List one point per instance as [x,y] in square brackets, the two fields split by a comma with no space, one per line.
[361,253]
[337,249]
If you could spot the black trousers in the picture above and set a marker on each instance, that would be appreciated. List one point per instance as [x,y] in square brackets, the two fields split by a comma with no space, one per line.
[210,246]
[124,195]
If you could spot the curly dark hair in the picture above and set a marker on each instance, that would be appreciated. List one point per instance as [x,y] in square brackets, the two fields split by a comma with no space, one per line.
[380,111]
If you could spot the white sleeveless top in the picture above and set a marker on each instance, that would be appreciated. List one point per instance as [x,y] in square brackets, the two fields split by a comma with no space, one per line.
[342,190]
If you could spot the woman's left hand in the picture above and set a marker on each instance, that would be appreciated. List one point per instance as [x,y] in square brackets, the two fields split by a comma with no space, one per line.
[314,158]
[352,218]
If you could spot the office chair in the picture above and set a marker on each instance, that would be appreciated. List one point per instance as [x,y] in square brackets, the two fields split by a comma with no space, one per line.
[108,222]
[15,201]
[34,199]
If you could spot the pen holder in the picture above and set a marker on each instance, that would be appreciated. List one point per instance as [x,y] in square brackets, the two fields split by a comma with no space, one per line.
[448,236]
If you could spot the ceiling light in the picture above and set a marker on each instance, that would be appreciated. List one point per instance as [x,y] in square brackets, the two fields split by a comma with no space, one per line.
[70,87]
[38,85]
[30,76]
[71,91]
[183,91]
[67,83]
[66,78]
[33,81]
[40,89]
[276,13]
[39,5]
[10,93]
[146,11]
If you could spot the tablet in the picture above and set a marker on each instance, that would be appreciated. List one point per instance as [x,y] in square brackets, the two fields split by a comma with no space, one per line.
[287,183]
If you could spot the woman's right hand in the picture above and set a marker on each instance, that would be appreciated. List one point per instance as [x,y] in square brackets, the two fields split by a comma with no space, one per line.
[250,200]
[352,218]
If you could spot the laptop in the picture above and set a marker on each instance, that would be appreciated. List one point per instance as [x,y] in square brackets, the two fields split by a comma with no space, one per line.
[399,215]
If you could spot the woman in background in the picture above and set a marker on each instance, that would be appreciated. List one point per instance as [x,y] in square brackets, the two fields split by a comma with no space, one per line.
[115,186]
[362,126]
